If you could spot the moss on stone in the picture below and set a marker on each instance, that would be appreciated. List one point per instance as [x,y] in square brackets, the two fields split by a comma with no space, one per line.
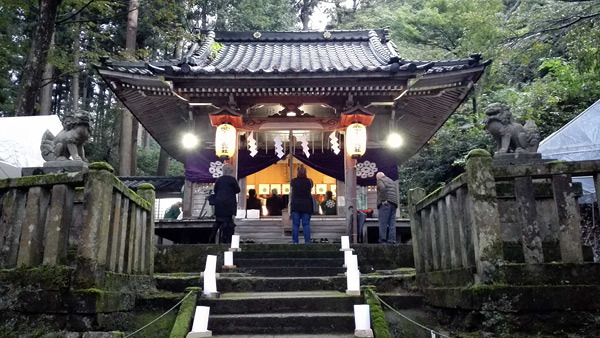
[102,166]
[478,153]
[146,186]
[379,325]
[45,276]
[184,317]
[35,180]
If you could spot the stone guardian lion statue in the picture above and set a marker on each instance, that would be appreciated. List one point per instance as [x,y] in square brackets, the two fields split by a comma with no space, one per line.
[69,141]
[511,137]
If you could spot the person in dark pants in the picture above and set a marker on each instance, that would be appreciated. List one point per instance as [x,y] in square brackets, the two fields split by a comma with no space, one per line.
[226,187]
[302,204]
[253,202]
[387,203]
[275,204]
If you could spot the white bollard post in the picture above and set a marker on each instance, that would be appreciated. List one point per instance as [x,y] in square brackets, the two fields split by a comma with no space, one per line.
[235,243]
[352,263]
[345,244]
[362,321]
[200,324]
[347,255]
[353,282]
[211,263]
[228,260]
[210,277]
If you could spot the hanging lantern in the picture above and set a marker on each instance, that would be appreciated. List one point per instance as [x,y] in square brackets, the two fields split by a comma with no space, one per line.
[356,139]
[225,140]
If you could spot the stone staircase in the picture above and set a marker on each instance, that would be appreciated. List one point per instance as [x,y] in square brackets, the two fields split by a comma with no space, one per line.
[290,309]
[296,291]
[272,231]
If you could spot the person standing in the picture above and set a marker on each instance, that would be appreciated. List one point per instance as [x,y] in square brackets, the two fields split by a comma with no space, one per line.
[275,204]
[387,203]
[226,189]
[329,205]
[301,205]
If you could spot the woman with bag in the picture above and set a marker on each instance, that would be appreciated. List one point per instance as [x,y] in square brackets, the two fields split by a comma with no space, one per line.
[301,205]
[226,187]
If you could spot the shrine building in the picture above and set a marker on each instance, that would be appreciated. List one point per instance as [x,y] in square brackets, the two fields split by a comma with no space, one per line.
[312,95]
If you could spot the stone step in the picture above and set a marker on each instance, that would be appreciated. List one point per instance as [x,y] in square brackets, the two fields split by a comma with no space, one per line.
[289,262]
[292,271]
[306,253]
[236,283]
[282,323]
[286,336]
[280,302]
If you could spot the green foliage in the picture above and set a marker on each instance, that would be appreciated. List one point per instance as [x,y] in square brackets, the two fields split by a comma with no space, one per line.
[148,162]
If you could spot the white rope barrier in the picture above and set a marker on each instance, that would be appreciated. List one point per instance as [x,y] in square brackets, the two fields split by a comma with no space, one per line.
[152,322]
[434,333]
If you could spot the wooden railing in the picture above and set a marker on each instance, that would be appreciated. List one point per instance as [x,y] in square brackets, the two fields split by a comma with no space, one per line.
[115,227]
[459,226]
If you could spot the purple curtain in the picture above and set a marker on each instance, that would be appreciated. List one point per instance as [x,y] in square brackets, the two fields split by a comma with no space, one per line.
[373,161]
[326,162]
[204,166]
[248,165]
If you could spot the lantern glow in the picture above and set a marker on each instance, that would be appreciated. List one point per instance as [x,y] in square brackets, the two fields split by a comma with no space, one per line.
[356,139]
[225,140]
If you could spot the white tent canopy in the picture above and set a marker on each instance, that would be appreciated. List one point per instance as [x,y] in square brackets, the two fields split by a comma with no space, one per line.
[578,140]
[20,139]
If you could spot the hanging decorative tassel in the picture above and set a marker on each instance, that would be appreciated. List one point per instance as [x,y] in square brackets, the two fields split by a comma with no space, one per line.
[278,148]
[304,144]
[335,146]
[252,145]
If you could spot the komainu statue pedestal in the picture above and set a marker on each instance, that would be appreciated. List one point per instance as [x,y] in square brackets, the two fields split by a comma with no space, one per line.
[502,159]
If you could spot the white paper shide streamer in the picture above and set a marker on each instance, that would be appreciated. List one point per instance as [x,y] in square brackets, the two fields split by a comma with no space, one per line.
[304,144]
[278,148]
[252,145]
[333,140]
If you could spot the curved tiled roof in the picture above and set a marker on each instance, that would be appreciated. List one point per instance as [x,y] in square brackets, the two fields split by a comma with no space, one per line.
[292,52]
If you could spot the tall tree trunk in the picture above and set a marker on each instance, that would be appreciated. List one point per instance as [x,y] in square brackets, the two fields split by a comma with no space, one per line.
[47,86]
[125,144]
[75,77]
[163,163]
[37,57]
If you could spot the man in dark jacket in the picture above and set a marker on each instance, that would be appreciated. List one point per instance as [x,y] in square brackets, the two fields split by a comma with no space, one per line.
[301,205]
[387,203]
[275,204]
[226,188]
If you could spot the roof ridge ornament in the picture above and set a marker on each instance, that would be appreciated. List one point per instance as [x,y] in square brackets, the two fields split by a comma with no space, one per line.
[200,50]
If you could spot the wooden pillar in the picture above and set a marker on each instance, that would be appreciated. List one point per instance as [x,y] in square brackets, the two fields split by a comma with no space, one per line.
[454,222]
[350,179]
[567,209]
[11,223]
[147,192]
[434,233]
[93,243]
[32,232]
[487,239]
[530,230]
[414,196]
[188,196]
[56,238]
[427,248]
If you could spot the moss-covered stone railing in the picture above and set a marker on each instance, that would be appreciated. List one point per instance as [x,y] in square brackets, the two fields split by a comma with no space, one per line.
[459,229]
[41,220]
